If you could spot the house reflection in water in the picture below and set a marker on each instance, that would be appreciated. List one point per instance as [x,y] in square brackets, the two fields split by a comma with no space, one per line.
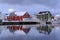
[14,28]
[45,29]
[26,28]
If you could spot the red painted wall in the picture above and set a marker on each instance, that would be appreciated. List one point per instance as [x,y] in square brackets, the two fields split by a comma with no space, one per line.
[11,18]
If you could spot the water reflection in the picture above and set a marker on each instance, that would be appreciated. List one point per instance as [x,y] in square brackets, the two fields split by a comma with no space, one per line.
[15,28]
[45,29]
[21,31]
[26,28]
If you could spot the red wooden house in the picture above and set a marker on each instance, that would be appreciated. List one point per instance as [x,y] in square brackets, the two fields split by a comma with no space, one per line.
[18,16]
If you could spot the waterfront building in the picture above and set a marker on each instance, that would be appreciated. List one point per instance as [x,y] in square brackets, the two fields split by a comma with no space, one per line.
[18,16]
[44,16]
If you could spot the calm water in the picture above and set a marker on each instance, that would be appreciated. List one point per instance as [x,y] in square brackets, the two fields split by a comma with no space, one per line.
[35,33]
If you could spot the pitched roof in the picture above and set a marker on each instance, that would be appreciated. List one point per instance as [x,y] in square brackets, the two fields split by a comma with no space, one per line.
[26,15]
[44,12]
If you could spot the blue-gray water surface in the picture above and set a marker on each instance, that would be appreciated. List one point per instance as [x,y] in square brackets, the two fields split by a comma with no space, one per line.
[33,34]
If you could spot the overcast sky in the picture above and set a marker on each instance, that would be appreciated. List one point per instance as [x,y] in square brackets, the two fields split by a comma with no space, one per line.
[26,4]
[51,3]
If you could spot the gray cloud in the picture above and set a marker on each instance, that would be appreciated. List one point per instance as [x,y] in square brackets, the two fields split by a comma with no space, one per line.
[50,3]
[11,1]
